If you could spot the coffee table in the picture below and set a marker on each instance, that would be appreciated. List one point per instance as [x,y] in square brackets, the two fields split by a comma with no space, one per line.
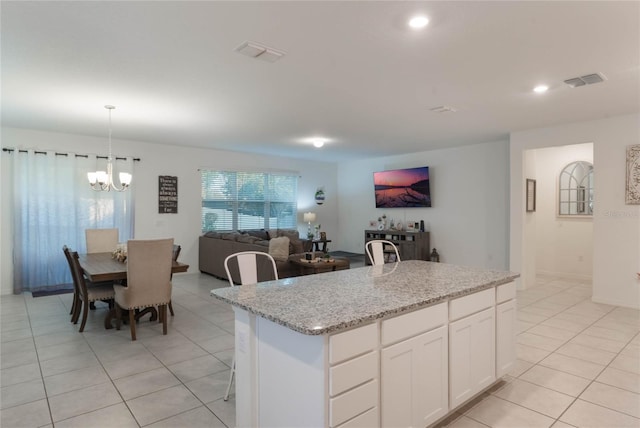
[308,267]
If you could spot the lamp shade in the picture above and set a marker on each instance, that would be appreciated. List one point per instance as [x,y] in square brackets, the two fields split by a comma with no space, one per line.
[309,217]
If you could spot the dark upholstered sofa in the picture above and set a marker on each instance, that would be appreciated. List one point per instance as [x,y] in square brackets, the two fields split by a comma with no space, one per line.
[214,247]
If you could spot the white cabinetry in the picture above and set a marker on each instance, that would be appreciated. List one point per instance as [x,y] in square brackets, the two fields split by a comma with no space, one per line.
[506,325]
[414,367]
[409,370]
[471,346]
[414,380]
[353,378]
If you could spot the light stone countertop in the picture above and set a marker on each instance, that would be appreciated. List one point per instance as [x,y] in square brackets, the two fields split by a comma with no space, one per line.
[333,301]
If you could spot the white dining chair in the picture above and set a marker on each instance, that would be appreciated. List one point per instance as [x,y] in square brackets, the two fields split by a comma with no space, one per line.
[247,269]
[101,240]
[376,250]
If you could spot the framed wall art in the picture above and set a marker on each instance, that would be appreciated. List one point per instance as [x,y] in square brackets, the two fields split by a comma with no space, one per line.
[167,194]
[632,191]
[531,195]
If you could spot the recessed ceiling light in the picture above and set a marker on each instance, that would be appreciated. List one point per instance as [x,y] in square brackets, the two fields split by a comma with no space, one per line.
[418,22]
[318,142]
[540,89]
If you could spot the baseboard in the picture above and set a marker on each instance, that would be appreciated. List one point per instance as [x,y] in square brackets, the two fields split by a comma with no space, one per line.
[565,275]
[614,302]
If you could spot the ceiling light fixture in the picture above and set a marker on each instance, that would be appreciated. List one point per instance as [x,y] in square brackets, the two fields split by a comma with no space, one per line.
[318,142]
[103,181]
[418,22]
[540,89]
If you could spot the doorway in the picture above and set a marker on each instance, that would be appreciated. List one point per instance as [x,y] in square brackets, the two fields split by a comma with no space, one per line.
[558,242]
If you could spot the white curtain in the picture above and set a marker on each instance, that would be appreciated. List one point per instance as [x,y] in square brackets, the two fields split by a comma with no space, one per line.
[53,205]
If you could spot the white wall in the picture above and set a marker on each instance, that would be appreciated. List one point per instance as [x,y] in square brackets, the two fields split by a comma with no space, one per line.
[528,269]
[564,245]
[468,221]
[182,162]
[616,226]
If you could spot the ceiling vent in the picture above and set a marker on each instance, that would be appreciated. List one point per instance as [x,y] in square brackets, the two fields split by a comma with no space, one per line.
[443,109]
[588,79]
[256,50]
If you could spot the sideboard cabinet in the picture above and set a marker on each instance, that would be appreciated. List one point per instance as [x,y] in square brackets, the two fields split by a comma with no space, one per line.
[411,245]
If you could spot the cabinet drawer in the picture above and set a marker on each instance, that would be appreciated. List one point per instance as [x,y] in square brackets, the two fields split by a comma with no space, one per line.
[368,419]
[413,323]
[471,304]
[352,403]
[505,292]
[353,373]
[354,342]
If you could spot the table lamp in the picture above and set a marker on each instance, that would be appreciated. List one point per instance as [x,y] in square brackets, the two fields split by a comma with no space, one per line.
[308,218]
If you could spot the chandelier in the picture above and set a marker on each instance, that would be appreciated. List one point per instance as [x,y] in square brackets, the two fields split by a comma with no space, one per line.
[103,181]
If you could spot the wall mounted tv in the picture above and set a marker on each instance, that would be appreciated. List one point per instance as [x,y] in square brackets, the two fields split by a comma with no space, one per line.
[402,188]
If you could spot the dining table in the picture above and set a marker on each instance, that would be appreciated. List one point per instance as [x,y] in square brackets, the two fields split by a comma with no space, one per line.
[101,267]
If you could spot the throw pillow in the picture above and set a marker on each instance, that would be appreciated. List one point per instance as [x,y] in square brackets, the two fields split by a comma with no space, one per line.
[279,248]
[247,239]
[296,246]
[262,234]
[289,233]
[232,236]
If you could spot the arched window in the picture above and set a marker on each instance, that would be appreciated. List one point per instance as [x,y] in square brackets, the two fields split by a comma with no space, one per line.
[576,189]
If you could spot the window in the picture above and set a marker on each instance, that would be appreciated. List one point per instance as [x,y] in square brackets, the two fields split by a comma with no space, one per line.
[235,200]
[52,207]
[576,189]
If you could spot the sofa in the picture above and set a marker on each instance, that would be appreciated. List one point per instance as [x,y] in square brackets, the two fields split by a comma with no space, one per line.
[214,247]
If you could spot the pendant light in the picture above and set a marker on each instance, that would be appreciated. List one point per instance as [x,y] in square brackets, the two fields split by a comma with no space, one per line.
[103,181]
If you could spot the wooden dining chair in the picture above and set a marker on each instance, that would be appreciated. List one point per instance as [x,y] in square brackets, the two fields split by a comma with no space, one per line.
[176,253]
[376,251]
[148,280]
[84,295]
[74,304]
[101,240]
[245,265]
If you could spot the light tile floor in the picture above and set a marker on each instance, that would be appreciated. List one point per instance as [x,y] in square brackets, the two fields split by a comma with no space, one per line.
[51,375]
[579,364]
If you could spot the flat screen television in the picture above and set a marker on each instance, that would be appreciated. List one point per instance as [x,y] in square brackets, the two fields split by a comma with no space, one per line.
[402,188]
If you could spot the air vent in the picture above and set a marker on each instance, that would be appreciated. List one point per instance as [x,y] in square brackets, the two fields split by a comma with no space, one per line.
[259,51]
[588,79]
[443,109]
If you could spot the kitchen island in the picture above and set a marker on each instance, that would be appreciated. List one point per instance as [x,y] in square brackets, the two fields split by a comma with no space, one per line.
[402,344]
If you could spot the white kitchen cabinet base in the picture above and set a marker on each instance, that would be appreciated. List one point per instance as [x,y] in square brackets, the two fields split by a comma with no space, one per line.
[414,380]
[280,378]
[386,373]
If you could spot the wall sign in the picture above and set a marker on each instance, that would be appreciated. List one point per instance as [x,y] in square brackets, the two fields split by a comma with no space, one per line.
[167,194]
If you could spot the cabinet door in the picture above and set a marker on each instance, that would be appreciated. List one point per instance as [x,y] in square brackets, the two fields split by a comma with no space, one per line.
[414,380]
[506,324]
[407,250]
[471,355]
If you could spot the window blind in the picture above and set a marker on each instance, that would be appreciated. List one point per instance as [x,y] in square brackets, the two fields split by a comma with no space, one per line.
[237,200]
